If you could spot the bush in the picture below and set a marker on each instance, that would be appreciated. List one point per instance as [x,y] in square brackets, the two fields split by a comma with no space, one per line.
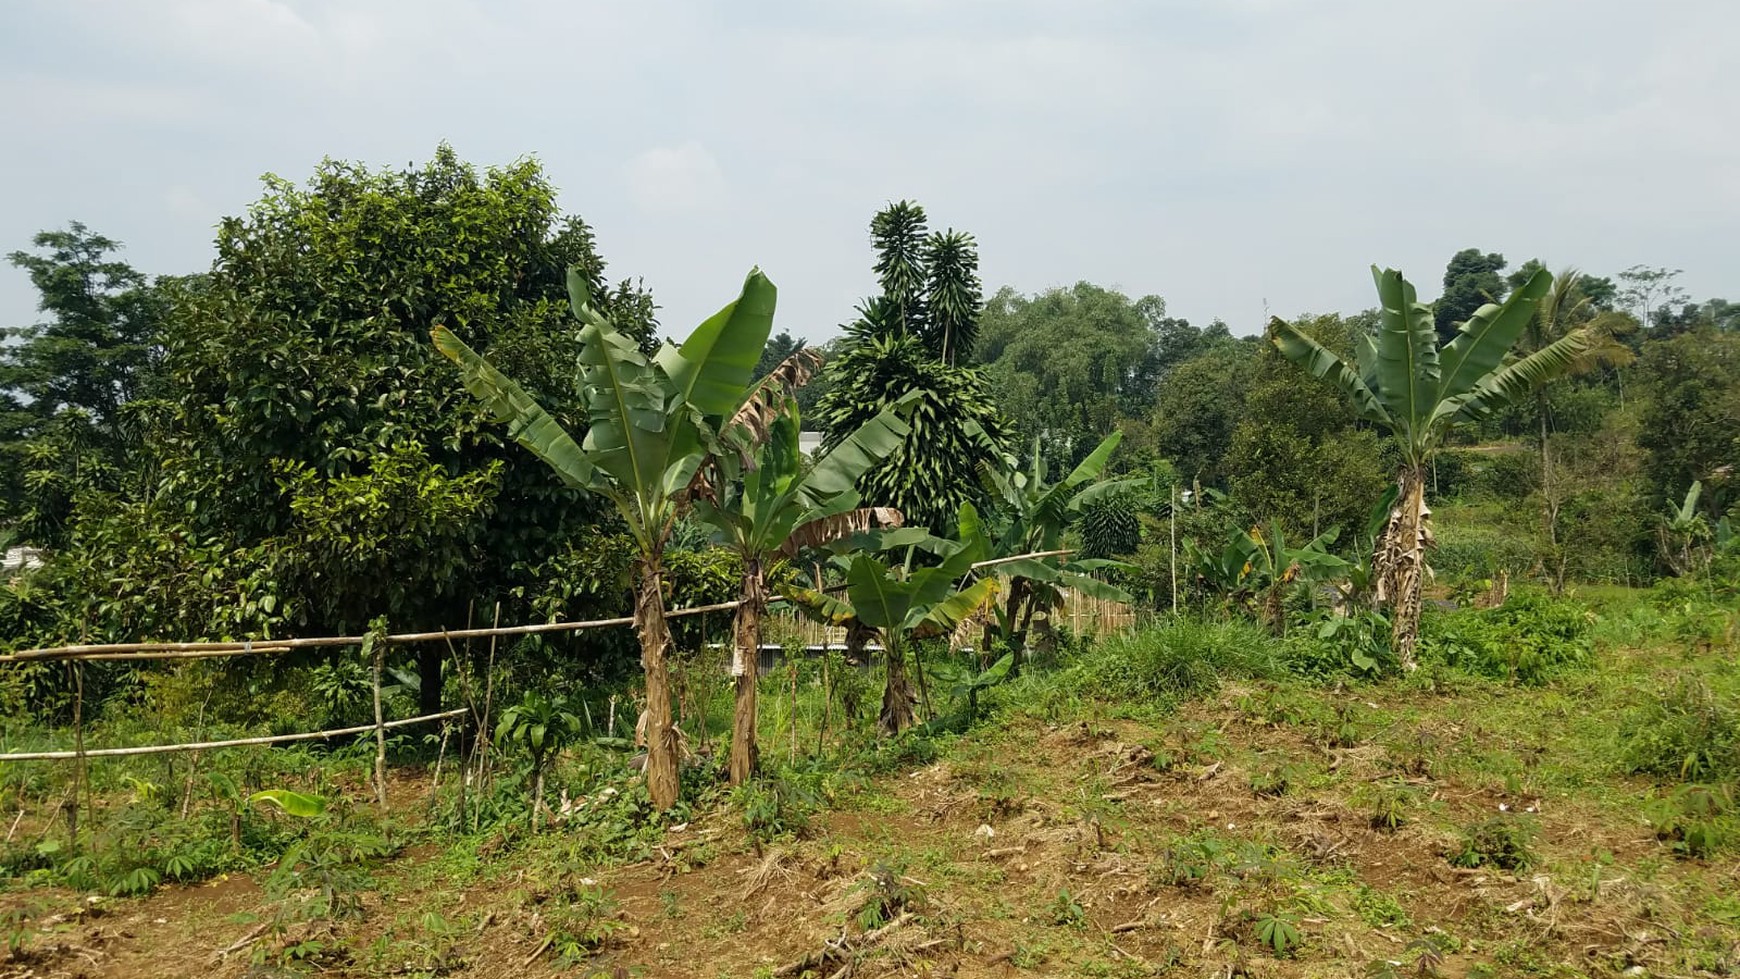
[1685,733]
[1466,552]
[1696,820]
[1526,640]
[1181,658]
[1504,841]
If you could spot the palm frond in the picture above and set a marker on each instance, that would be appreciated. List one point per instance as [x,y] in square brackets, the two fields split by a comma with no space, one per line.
[1482,342]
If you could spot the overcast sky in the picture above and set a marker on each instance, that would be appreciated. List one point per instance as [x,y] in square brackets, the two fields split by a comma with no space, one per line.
[1223,154]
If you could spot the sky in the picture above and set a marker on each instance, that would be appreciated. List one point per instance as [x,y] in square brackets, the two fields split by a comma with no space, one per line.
[1232,156]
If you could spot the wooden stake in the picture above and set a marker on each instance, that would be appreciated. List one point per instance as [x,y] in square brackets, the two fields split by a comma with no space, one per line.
[380,730]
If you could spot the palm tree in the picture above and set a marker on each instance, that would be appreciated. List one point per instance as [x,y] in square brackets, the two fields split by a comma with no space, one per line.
[1404,383]
[652,422]
[779,504]
[1562,310]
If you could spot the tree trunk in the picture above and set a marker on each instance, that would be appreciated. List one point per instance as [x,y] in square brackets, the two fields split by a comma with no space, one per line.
[655,648]
[897,695]
[746,667]
[1017,637]
[1400,562]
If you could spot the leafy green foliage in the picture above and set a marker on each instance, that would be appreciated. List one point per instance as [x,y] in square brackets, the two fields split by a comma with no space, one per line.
[1505,841]
[1109,526]
[1686,731]
[954,423]
[1279,933]
[1527,640]
[1697,820]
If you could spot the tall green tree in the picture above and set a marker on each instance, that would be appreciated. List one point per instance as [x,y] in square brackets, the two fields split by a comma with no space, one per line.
[1690,424]
[904,345]
[65,383]
[302,356]
[1406,384]
[1068,364]
[1471,280]
[1198,406]
[1299,454]
[651,424]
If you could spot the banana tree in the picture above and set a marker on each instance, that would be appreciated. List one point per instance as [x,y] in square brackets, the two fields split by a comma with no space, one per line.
[1257,570]
[904,604]
[1031,516]
[775,505]
[652,421]
[1404,383]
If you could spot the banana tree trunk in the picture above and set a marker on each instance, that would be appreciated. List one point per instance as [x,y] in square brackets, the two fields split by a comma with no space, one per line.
[897,694]
[655,648]
[1400,562]
[746,667]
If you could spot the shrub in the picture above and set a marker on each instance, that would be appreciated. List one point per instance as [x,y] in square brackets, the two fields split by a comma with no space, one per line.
[1697,820]
[1686,732]
[1182,658]
[1504,841]
[1526,640]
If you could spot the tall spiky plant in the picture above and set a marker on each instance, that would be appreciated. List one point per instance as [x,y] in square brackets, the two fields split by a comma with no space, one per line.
[1404,383]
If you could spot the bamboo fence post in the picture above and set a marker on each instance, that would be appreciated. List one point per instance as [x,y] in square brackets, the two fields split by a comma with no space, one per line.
[1172,519]
[483,759]
[79,769]
[380,730]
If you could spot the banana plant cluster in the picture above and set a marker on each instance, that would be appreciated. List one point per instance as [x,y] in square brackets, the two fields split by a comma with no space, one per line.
[1027,523]
[906,601]
[1257,571]
[652,421]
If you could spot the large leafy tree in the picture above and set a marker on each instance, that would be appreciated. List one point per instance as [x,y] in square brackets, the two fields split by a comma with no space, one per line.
[303,356]
[1198,407]
[651,423]
[772,505]
[66,383]
[1068,364]
[1690,424]
[1406,384]
[1471,280]
[1298,453]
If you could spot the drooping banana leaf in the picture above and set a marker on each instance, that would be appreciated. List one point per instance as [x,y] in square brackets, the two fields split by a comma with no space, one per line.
[1322,363]
[528,423]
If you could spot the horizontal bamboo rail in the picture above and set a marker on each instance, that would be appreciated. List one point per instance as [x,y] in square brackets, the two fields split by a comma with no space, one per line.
[159,749]
[207,650]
